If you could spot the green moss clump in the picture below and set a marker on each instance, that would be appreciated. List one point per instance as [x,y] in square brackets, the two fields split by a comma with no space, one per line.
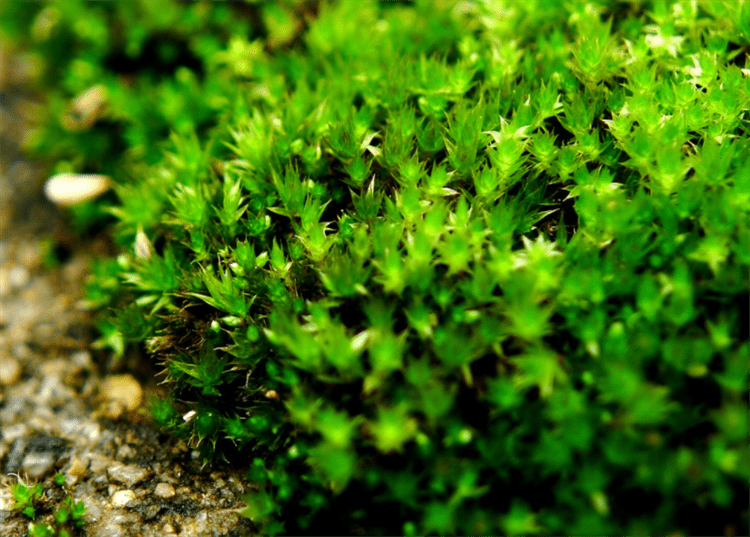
[67,518]
[442,267]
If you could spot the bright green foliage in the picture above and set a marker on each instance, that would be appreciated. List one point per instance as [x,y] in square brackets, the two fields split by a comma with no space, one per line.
[25,497]
[67,518]
[446,267]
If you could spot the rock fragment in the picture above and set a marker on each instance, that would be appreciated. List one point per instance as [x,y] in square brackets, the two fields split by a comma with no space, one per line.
[71,188]
[124,388]
[164,491]
[10,371]
[128,474]
[122,498]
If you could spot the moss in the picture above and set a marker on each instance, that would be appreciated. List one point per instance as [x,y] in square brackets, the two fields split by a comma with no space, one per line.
[429,259]
[66,519]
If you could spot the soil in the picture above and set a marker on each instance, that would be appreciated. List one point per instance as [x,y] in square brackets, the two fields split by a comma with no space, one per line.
[68,408]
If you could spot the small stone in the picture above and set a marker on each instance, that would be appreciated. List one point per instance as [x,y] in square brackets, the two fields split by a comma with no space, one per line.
[54,368]
[21,351]
[99,482]
[15,456]
[131,437]
[82,359]
[69,188]
[110,528]
[125,452]
[37,465]
[10,371]
[53,392]
[124,388]
[151,511]
[29,255]
[46,331]
[112,410]
[121,498]
[77,467]
[5,286]
[18,276]
[91,431]
[201,518]
[98,463]
[6,499]
[13,432]
[75,428]
[164,491]
[128,474]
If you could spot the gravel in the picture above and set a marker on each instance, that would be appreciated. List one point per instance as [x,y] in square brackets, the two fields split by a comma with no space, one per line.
[62,410]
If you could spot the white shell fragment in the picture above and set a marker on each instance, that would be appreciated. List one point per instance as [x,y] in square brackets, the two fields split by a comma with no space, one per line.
[71,188]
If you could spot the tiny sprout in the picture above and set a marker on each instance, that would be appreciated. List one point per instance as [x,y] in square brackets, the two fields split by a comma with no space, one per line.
[465,436]
[142,247]
[599,502]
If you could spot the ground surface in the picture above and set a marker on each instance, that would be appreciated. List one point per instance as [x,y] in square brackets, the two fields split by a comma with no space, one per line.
[64,407]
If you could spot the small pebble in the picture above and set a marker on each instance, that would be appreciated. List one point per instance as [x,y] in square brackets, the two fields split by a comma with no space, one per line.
[37,465]
[112,409]
[69,188]
[128,474]
[6,499]
[10,371]
[21,350]
[54,368]
[19,276]
[164,491]
[82,359]
[12,432]
[122,497]
[77,467]
[29,255]
[5,286]
[77,428]
[98,463]
[125,452]
[123,388]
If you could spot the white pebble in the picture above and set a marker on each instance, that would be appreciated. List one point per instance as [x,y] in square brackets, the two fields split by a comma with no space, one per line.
[71,188]
[122,497]
[18,276]
[164,491]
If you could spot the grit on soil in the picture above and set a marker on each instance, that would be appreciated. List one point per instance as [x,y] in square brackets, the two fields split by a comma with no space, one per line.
[64,407]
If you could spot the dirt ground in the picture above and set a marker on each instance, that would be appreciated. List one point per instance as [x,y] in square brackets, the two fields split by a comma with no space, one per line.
[64,408]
